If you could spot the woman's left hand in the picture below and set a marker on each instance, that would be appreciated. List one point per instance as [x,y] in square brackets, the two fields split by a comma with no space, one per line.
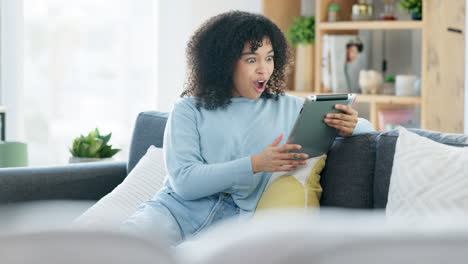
[344,122]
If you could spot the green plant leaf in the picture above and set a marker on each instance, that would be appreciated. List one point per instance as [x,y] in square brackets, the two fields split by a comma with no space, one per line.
[72,152]
[75,147]
[113,152]
[105,151]
[302,31]
[93,145]
[106,139]
[93,134]
[333,7]
[84,150]
[413,6]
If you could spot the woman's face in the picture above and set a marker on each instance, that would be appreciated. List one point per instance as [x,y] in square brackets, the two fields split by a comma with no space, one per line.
[253,70]
[352,53]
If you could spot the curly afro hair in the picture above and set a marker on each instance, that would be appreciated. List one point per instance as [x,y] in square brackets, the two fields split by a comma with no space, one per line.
[215,48]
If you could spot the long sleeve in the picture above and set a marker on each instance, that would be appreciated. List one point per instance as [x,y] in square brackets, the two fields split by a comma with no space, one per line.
[189,174]
[363,126]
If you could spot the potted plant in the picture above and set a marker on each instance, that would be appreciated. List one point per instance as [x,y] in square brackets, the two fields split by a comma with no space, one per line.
[413,6]
[93,147]
[301,34]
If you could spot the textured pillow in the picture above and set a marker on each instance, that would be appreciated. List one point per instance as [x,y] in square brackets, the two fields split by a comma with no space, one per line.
[428,178]
[348,177]
[297,189]
[143,182]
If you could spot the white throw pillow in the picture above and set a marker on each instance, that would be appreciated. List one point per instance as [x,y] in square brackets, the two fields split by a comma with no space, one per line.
[428,178]
[143,182]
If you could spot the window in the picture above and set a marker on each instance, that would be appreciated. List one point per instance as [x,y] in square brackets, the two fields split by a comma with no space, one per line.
[87,64]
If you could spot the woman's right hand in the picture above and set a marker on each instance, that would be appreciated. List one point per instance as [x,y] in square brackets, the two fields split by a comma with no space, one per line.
[276,158]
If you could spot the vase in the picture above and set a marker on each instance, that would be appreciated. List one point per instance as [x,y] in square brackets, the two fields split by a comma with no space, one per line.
[304,71]
[83,160]
[13,154]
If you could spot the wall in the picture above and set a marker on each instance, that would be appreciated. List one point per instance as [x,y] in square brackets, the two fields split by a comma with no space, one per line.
[1,38]
[177,21]
[11,76]
[307,7]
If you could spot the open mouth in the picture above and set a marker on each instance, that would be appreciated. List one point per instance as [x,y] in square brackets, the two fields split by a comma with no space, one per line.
[260,85]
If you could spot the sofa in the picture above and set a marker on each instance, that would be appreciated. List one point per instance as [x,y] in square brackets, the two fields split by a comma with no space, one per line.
[356,175]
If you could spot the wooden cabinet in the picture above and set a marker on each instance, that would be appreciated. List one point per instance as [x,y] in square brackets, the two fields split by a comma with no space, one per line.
[441,104]
[444,65]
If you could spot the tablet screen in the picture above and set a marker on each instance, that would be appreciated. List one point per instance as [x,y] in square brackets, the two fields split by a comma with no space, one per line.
[310,131]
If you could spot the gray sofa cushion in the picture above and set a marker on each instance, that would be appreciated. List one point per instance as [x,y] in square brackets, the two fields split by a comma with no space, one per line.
[149,130]
[347,179]
[386,142]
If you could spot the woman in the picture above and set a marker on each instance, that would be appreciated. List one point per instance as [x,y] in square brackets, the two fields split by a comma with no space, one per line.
[225,137]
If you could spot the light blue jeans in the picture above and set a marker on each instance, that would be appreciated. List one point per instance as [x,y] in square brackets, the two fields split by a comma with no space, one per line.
[172,219]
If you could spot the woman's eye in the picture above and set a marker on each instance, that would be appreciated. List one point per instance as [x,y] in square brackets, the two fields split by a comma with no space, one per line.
[250,60]
[269,58]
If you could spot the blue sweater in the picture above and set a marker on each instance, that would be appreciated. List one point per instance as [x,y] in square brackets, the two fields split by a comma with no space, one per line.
[208,151]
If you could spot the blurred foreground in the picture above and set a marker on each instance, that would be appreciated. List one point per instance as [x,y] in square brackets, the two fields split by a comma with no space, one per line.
[41,232]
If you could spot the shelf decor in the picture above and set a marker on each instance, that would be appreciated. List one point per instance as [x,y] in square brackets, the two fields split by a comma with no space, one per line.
[13,154]
[361,11]
[413,6]
[333,12]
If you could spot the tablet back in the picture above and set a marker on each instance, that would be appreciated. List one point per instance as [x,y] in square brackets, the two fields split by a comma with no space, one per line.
[310,131]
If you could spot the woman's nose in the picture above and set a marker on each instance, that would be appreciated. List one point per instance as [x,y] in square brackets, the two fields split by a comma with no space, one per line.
[261,68]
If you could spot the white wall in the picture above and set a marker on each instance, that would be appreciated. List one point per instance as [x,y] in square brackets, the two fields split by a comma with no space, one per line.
[177,21]
[12,70]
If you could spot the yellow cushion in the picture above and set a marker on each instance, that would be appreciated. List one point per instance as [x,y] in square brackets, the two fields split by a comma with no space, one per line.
[297,189]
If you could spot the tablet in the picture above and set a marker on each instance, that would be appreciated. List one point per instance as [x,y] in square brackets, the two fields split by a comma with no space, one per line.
[310,131]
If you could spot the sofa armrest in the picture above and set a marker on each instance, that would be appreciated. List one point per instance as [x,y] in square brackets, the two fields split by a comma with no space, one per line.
[86,181]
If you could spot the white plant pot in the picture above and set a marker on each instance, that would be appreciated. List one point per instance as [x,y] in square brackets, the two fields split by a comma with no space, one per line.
[304,71]
[82,160]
